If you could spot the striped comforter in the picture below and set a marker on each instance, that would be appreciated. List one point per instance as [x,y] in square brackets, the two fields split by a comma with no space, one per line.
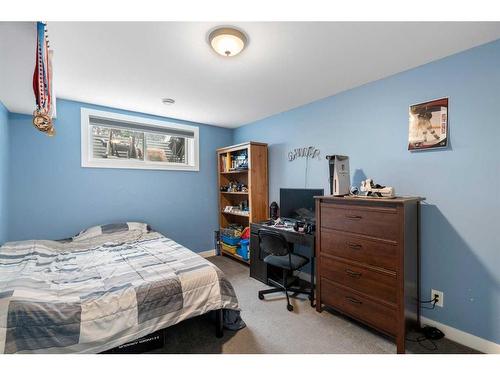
[107,286]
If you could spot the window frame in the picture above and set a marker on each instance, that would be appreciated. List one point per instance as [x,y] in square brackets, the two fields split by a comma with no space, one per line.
[88,161]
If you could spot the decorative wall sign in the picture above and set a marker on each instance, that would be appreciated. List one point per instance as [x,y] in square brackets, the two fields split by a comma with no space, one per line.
[310,152]
[428,126]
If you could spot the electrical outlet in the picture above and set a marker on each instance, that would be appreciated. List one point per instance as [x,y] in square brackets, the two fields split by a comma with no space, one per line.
[440,297]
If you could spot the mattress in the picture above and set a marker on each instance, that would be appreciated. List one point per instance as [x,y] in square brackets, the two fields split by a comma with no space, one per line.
[105,287]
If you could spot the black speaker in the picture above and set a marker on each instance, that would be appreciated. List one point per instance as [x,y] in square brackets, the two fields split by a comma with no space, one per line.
[274,211]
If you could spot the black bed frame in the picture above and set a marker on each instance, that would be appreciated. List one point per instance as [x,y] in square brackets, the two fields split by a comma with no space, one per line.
[219,323]
[155,340]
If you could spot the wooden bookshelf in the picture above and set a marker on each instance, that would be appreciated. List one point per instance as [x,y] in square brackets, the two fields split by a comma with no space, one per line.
[255,178]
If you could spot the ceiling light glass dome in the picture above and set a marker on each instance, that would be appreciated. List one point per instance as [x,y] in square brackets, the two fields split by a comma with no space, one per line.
[227,41]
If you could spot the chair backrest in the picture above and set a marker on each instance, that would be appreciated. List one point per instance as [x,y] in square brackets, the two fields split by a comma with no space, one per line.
[272,243]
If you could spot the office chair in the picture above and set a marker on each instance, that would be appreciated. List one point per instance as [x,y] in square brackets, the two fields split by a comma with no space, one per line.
[278,253]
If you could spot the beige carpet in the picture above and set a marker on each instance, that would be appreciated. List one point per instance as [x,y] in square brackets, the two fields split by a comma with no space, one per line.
[273,329]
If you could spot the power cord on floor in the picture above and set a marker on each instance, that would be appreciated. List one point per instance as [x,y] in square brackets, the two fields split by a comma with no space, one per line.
[421,339]
[427,338]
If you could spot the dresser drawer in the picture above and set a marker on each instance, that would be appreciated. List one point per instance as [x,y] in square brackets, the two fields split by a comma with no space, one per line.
[376,314]
[380,222]
[382,254]
[375,283]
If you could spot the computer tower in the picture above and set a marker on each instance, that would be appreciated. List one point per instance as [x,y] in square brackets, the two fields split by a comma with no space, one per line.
[340,179]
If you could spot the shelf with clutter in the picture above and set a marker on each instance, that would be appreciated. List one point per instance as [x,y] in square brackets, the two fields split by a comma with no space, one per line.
[234,186]
[234,161]
[234,241]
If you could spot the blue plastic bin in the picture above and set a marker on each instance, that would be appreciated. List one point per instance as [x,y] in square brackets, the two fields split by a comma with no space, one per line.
[243,249]
[233,241]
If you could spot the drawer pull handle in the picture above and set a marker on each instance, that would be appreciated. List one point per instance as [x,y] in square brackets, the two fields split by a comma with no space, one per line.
[354,300]
[353,217]
[353,245]
[354,274]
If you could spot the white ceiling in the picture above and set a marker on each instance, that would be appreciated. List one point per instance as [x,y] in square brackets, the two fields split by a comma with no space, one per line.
[132,65]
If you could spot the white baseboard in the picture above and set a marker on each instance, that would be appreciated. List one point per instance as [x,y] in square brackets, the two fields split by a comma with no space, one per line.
[207,254]
[464,338]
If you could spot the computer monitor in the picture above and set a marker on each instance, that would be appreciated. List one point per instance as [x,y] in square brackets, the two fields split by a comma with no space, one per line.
[298,204]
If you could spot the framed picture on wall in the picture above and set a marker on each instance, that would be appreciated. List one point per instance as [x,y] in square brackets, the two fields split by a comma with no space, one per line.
[428,125]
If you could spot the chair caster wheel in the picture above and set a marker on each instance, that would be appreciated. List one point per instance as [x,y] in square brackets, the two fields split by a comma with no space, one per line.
[261,296]
[289,307]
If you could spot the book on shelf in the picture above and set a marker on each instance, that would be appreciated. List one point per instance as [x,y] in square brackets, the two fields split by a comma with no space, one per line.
[223,163]
[236,210]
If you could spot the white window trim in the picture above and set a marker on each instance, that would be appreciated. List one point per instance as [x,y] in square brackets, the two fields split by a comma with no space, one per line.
[86,145]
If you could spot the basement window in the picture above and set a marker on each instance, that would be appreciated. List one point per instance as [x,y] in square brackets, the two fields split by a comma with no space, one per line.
[111,140]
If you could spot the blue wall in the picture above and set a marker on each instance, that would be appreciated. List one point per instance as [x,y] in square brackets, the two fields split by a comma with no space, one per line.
[52,196]
[460,219]
[4,171]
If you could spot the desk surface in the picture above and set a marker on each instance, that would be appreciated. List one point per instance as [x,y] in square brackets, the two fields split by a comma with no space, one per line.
[290,235]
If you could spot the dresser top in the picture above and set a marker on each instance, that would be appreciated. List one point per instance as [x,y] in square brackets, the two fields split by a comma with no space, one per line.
[371,200]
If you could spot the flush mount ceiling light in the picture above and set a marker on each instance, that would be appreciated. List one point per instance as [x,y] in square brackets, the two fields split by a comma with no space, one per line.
[227,41]
[168,101]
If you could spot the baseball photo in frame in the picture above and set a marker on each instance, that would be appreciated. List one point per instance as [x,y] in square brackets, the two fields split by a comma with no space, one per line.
[428,125]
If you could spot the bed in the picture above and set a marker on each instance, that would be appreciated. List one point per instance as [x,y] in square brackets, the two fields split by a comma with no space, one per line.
[105,287]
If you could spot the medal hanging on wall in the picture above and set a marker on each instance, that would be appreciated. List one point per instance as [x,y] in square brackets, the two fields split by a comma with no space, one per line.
[42,82]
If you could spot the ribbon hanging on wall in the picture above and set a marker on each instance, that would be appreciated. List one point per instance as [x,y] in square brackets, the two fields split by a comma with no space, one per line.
[42,82]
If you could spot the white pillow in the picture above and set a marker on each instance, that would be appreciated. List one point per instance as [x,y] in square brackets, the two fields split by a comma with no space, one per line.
[111,228]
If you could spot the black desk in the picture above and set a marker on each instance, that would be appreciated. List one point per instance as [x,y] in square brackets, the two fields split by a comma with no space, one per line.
[260,270]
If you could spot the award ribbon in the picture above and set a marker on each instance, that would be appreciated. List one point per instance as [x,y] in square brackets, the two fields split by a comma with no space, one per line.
[42,83]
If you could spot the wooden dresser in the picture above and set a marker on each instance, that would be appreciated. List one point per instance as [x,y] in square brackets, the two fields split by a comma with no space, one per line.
[368,261]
